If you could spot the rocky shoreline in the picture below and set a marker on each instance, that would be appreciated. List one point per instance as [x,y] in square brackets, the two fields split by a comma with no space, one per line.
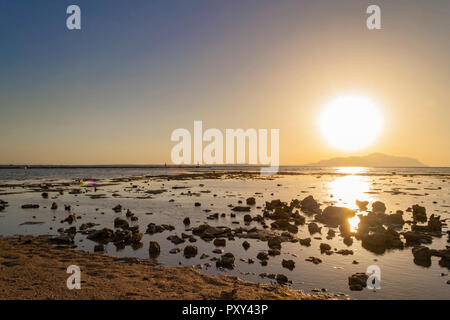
[32,268]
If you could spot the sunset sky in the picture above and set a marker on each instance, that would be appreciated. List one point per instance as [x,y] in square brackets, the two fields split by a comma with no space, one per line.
[113,92]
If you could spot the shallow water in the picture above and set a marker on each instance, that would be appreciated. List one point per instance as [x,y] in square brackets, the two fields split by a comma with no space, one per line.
[400,277]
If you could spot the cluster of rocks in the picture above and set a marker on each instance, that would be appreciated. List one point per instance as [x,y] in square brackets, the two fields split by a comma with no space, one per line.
[154,228]
[422,256]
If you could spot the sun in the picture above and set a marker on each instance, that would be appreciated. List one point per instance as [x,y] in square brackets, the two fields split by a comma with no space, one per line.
[351,122]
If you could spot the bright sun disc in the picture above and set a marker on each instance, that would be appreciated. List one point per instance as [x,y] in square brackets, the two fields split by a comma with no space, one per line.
[351,122]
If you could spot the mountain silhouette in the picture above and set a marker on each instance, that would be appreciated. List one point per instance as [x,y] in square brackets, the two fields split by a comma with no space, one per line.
[371,160]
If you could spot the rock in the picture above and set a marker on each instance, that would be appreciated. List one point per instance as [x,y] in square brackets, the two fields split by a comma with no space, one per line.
[103,236]
[241,209]
[246,245]
[309,205]
[153,228]
[44,195]
[422,256]
[187,221]
[381,239]
[190,251]
[331,233]
[251,201]
[154,249]
[335,216]
[63,239]
[207,232]
[30,206]
[314,228]
[419,213]
[435,224]
[71,218]
[175,239]
[378,207]
[324,247]
[362,205]
[197,204]
[345,252]
[358,281]
[416,238]
[288,264]
[305,242]
[117,208]
[219,242]
[314,260]
[273,252]
[67,207]
[348,240]
[274,243]
[262,256]
[283,224]
[247,218]
[226,261]
[54,206]
[129,214]
[121,223]
[281,279]
[99,248]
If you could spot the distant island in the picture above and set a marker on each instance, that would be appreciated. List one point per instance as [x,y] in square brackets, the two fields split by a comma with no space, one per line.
[371,160]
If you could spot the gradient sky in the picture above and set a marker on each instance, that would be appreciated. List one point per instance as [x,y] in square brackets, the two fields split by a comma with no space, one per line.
[113,92]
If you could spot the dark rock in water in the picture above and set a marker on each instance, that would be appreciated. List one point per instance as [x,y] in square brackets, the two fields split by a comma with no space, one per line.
[71,218]
[331,233]
[335,216]
[226,261]
[176,250]
[117,208]
[153,228]
[419,213]
[305,242]
[121,223]
[2,207]
[358,281]
[247,218]
[67,207]
[262,256]
[324,247]
[86,226]
[246,245]
[422,256]
[54,206]
[129,214]
[99,248]
[435,224]
[273,252]
[444,255]
[44,195]
[283,224]
[190,251]
[378,207]
[348,240]
[310,205]
[241,209]
[345,252]
[281,279]
[288,264]
[175,239]
[314,228]
[197,204]
[314,260]
[187,221]
[395,218]
[30,206]
[251,201]
[416,238]
[381,239]
[102,236]
[362,205]
[219,242]
[154,249]
[63,239]
[207,232]
[274,243]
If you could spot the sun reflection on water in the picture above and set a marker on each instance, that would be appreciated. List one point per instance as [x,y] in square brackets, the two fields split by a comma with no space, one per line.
[347,189]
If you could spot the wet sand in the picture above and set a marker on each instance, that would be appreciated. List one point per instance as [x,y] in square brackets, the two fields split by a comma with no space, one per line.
[31,268]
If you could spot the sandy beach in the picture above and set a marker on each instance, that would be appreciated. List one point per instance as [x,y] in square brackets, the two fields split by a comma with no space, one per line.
[31,268]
